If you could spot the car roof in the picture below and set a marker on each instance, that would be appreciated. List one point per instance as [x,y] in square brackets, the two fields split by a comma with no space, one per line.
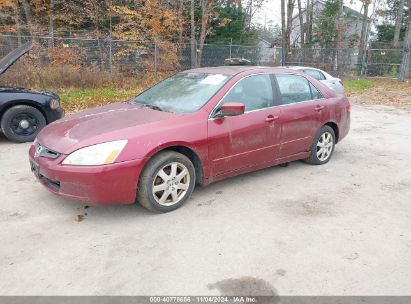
[299,67]
[234,70]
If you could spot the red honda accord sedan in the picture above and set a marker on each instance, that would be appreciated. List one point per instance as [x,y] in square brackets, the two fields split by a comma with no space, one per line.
[194,128]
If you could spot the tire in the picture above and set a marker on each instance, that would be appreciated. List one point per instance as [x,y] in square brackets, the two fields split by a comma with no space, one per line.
[22,123]
[171,192]
[325,134]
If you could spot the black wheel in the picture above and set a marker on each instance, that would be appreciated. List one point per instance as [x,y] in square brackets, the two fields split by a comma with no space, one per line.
[322,147]
[167,182]
[22,123]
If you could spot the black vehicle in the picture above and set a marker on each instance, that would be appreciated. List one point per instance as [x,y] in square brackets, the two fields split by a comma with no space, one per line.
[24,112]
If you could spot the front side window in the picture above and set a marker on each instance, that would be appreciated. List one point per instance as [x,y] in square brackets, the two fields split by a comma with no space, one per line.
[255,92]
[295,88]
[183,92]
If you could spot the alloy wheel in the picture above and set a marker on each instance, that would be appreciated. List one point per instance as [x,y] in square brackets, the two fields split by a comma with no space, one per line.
[171,184]
[325,146]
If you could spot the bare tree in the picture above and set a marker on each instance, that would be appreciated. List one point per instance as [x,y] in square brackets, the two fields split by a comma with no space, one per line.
[398,22]
[181,20]
[252,6]
[339,36]
[364,25]
[193,35]
[283,36]
[301,19]
[17,21]
[405,65]
[290,10]
[51,24]
[203,31]
[309,21]
[27,12]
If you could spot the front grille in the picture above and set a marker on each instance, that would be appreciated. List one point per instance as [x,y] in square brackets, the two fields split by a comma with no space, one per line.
[42,151]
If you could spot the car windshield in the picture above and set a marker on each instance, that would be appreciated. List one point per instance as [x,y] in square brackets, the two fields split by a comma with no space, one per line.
[183,92]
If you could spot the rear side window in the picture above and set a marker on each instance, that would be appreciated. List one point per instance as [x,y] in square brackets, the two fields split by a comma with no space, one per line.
[315,93]
[295,88]
[315,74]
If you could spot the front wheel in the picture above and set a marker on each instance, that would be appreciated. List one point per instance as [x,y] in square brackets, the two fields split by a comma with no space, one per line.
[322,147]
[167,182]
[22,123]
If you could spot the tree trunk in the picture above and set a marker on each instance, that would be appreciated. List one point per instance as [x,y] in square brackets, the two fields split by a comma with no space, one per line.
[283,36]
[309,26]
[398,23]
[203,32]
[193,36]
[250,14]
[364,26]
[51,24]
[27,12]
[16,18]
[364,35]
[181,20]
[302,27]
[290,10]
[405,65]
[339,38]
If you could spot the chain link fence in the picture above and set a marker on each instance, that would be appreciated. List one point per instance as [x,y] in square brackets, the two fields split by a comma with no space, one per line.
[137,57]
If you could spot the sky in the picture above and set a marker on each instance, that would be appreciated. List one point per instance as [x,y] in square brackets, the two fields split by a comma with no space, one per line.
[271,10]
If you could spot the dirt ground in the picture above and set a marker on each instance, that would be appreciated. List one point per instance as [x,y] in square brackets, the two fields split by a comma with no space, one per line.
[343,228]
[389,92]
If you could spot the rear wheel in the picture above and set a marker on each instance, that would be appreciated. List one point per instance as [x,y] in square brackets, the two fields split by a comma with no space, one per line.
[167,182]
[22,123]
[322,147]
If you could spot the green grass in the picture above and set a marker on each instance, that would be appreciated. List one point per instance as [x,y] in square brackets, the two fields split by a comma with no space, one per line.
[77,99]
[358,85]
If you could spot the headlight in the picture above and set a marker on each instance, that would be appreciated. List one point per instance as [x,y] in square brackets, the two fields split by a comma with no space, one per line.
[54,104]
[100,154]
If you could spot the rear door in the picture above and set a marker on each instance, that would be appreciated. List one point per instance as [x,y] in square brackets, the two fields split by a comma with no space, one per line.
[250,139]
[303,111]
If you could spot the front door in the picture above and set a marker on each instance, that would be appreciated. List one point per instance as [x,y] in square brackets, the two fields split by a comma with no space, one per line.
[250,139]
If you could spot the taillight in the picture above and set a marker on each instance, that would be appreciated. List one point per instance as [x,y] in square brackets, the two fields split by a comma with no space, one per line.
[347,106]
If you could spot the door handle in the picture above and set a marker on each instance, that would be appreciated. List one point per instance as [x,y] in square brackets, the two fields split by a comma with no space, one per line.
[271,118]
[319,108]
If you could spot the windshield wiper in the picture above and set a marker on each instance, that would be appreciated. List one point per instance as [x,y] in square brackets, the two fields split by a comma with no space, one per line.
[154,107]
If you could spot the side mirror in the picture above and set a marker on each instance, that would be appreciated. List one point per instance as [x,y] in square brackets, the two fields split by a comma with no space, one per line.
[231,109]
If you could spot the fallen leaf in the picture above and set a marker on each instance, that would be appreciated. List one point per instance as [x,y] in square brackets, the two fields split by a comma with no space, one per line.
[79,217]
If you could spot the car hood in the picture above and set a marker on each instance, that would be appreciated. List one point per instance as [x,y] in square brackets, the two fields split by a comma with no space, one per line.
[99,125]
[5,89]
[13,56]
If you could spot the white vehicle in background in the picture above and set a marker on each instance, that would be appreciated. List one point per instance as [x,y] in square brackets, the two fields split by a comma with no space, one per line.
[330,81]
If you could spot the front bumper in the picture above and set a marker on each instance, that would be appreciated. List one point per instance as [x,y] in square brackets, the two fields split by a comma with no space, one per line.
[109,184]
[54,114]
